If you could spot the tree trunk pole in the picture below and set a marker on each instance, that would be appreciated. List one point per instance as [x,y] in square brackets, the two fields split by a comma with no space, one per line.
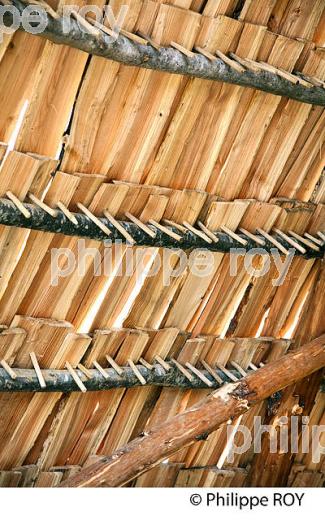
[40,220]
[199,421]
[168,59]
[61,380]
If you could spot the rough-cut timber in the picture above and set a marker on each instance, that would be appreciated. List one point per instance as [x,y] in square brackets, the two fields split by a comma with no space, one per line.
[171,60]
[40,220]
[198,422]
[62,381]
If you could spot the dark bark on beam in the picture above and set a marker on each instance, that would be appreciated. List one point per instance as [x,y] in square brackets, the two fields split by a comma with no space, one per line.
[200,420]
[171,60]
[61,380]
[42,221]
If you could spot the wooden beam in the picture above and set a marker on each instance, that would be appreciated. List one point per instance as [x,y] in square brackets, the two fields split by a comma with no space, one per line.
[41,220]
[62,381]
[126,50]
[198,422]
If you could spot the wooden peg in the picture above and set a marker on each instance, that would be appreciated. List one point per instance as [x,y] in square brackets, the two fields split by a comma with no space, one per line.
[42,205]
[134,37]
[208,232]
[19,205]
[233,235]
[171,223]
[94,219]
[313,239]
[37,369]
[244,63]
[163,363]
[149,40]
[199,374]
[114,365]
[212,372]
[70,216]
[145,363]
[304,241]
[8,369]
[273,241]
[119,228]
[140,224]
[102,27]
[83,22]
[75,377]
[100,369]
[233,64]
[290,241]
[227,372]
[85,371]
[44,4]
[239,368]
[259,241]
[183,50]
[314,81]
[198,233]
[205,53]
[293,78]
[280,72]
[165,230]
[258,66]
[302,81]
[183,370]
[321,235]
[255,66]
[136,372]
[253,367]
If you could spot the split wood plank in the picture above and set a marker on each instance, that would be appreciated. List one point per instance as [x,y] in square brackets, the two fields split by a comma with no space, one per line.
[61,188]
[18,174]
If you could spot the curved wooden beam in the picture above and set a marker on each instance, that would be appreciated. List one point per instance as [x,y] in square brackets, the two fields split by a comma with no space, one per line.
[171,60]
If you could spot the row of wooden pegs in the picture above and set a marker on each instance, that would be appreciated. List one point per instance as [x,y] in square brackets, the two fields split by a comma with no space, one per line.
[292,238]
[233,61]
[241,65]
[189,371]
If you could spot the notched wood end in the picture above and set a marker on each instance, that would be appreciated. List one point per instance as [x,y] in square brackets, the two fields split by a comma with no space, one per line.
[242,391]
[202,437]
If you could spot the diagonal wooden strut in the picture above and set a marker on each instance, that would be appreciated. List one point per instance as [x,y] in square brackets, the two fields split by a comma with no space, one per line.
[130,52]
[199,421]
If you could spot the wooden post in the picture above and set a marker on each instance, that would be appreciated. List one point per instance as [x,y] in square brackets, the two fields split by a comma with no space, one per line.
[126,50]
[198,422]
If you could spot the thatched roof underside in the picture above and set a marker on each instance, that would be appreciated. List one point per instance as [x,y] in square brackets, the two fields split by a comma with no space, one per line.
[75,128]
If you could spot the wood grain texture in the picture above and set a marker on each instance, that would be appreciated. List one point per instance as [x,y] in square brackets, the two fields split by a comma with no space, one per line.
[233,400]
